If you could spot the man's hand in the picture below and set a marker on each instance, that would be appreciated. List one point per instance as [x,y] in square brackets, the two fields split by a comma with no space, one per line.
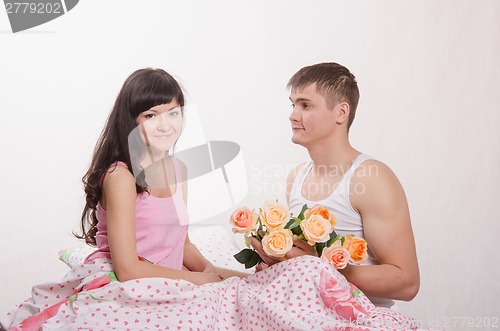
[300,247]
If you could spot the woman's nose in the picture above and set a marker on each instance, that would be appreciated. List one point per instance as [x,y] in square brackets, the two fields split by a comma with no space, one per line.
[163,123]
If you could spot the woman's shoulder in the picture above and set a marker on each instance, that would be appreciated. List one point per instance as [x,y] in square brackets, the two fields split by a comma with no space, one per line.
[117,164]
[181,167]
[118,184]
[118,172]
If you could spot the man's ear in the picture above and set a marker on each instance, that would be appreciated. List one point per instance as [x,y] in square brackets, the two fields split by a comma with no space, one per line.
[342,112]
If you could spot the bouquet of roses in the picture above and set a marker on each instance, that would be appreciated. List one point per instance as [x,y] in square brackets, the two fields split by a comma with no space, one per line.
[278,226]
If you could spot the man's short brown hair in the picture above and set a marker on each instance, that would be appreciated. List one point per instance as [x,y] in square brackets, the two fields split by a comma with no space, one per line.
[333,81]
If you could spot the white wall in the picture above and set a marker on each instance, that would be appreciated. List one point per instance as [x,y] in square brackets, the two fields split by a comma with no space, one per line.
[429,74]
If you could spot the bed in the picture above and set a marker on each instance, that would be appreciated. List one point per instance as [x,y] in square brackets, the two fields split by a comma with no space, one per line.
[304,293]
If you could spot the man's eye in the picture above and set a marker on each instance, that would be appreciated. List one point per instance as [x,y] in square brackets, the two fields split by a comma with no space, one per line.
[292,105]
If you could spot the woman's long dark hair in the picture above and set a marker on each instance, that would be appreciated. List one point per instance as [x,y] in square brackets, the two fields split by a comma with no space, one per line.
[143,89]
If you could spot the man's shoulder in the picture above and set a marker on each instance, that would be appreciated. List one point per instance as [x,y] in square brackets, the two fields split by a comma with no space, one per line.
[372,183]
[373,170]
[292,174]
[298,167]
[295,170]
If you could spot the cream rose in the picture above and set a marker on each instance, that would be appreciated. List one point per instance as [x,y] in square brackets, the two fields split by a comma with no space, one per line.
[277,242]
[336,255]
[322,211]
[274,215]
[316,229]
[357,248]
[243,220]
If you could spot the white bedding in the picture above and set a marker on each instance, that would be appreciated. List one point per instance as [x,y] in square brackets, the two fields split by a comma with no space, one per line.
[216,242]
[305,293]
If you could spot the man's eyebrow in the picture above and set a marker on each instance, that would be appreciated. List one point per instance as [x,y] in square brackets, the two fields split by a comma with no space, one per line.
[300,100]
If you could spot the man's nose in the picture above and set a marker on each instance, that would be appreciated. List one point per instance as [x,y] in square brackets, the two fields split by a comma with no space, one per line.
[294,115]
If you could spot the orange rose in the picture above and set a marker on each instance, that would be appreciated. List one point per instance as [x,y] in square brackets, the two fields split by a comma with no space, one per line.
[277,242]
[243,220]
[357,248]
[275,215]
[322,211]
[336,255]
[316,229]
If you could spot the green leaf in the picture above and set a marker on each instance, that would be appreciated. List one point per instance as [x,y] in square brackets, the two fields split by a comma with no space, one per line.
[290,223]
[71,299]
[296,230]
[247,241]
[254,260]
[356,293]
[93,297]
[293,225]
[249,257]
[301,214]
[260,224]
[112,276]
[243,255]
[319,248]
[333,238]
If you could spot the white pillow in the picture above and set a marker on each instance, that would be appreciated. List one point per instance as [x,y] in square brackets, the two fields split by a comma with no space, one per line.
[215,242]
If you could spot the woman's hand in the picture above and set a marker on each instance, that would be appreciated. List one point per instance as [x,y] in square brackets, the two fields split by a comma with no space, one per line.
[210,268]
[261,266]
[201,278]
[300,247]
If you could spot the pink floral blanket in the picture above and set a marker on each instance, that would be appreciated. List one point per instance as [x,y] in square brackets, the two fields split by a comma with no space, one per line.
[304,293]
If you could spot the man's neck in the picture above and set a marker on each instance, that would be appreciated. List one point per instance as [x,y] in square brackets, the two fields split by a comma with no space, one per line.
[328,157]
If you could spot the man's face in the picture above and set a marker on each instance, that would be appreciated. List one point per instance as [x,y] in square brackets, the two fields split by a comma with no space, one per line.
[311,119]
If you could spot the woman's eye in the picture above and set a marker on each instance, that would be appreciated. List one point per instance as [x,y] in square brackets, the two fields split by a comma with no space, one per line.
[148,116]
[174,112]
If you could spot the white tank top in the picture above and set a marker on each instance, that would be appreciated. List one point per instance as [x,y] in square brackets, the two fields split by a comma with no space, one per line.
[348,220]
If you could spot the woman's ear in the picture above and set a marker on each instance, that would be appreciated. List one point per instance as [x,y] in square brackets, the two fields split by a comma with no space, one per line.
[342,112]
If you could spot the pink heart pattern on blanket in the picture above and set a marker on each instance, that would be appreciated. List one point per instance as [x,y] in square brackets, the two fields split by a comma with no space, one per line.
[304,293]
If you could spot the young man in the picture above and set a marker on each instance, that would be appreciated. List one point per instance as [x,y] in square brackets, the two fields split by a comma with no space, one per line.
[363,193]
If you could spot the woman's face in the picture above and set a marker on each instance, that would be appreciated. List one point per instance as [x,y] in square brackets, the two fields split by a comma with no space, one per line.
[161,125]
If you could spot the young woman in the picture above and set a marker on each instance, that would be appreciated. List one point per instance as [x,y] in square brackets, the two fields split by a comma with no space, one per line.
[135,211]
[139,219]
